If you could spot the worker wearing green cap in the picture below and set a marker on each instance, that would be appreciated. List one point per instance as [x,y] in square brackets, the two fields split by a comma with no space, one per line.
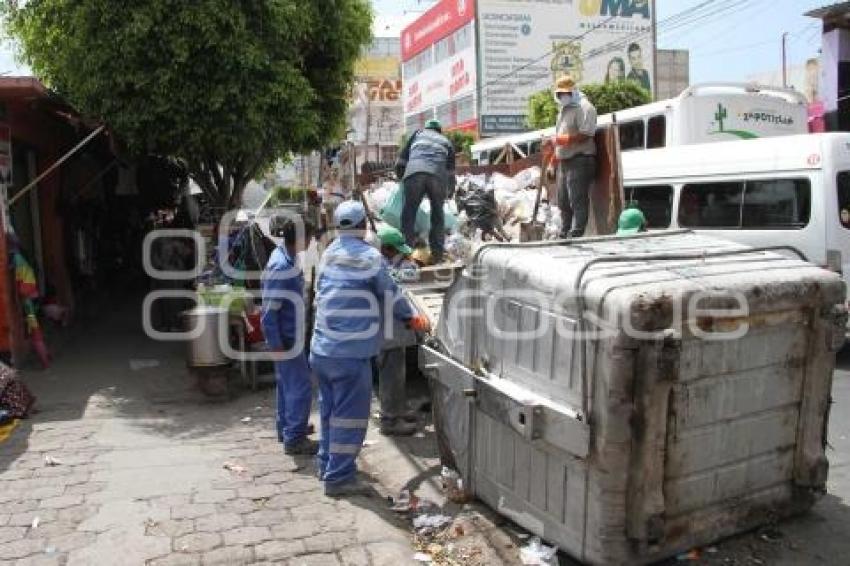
[631,222]
[426,166]
[396,417]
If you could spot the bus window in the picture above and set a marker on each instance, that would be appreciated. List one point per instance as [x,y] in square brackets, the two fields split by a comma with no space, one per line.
[777,203]
[711,205]
[656,132]
[656,203]
[843,185]
[631,135]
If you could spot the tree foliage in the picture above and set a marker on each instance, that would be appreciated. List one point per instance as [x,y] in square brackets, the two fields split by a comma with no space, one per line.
[606,97]
[462,142]
[226,86]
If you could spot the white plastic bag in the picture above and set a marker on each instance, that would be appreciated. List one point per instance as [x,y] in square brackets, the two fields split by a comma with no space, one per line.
[528,177]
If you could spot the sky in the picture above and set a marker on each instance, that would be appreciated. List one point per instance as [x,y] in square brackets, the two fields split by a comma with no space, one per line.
[730,46]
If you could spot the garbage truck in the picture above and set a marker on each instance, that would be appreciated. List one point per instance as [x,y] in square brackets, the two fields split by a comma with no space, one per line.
[630,398]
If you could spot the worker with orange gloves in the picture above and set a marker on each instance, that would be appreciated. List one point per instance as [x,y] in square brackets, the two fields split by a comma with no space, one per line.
[355,293]
[574,160]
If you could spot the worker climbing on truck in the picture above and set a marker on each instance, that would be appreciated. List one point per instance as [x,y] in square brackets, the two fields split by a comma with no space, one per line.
[426,167]
[354,291]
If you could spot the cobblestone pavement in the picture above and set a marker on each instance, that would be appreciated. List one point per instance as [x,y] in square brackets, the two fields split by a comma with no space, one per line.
[141,473]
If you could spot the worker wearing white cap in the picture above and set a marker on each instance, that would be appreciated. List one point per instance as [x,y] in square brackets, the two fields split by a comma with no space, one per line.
[354,292]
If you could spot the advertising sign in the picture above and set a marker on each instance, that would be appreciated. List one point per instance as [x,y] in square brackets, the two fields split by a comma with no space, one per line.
[376,112]
[449,79]
[435,24]
[740,118]
[526,45]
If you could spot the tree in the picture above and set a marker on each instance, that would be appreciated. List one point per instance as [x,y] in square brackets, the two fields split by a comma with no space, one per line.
[227,87]
[606,97]
[462,142]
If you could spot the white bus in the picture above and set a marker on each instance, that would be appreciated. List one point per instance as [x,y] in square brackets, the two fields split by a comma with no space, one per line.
[792,191]
[704,113]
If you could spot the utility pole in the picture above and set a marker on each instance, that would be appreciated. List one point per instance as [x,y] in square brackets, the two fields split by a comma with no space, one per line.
[785,59]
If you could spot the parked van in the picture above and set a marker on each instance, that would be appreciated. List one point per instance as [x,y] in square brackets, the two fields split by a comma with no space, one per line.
[705,113]
[791,191]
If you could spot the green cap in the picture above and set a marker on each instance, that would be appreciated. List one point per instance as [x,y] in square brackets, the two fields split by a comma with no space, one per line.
[434,125]
[631,221]
[392,237]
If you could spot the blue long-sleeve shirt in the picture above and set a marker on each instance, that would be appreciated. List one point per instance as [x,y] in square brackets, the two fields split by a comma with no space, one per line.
[429,152]
[355,297]
[283,300]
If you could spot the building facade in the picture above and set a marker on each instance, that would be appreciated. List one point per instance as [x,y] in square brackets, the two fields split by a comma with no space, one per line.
[473,64]
[375,116]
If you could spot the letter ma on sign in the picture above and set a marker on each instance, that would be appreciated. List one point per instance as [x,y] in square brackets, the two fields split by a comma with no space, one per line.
[615,8]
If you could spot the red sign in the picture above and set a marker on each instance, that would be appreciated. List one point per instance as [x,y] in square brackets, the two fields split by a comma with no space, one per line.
[435,24]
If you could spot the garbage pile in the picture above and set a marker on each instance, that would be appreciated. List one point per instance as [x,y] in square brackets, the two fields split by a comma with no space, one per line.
[482,209]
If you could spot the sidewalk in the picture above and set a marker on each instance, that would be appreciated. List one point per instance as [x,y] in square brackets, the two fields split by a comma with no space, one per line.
[142,480]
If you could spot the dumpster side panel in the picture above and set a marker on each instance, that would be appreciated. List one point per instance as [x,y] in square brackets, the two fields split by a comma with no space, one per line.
[542,490]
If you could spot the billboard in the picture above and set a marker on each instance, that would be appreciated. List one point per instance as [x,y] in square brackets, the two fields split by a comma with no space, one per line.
[442,19]
[449,79]
[525,45]
[375,115]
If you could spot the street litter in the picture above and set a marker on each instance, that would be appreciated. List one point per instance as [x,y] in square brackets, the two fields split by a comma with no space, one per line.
[136,365]
[691,556]
[51,461]
[453,485]
[422,557]
[35,523]
[422,522]
[235,468]
[537,553]
[368,443]
[246,419]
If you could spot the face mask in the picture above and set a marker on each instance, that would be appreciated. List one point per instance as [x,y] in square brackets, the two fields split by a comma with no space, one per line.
[568,99]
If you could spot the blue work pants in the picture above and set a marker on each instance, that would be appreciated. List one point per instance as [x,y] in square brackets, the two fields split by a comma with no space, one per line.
[294,396]
[345,395]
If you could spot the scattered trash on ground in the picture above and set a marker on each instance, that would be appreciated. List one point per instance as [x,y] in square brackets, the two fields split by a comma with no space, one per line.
[50,550]
[136,365]
[690,556]
[246,419]
[368,443]
[35,523]
[51,461]
[422,557]
[771,535]
[453,486]
[426,521]
[235,468]
[537,553]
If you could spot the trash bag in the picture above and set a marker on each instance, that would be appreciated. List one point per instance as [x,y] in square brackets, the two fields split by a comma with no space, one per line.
[391,213]
[479,204]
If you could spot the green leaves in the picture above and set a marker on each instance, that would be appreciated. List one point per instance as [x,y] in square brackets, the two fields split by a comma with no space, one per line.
[227,86]
[606,97]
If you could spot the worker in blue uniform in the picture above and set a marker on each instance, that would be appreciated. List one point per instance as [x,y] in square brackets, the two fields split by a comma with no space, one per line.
[283,321]
[354,294]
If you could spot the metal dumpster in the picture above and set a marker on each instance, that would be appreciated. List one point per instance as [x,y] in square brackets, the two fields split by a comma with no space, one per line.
[630,398]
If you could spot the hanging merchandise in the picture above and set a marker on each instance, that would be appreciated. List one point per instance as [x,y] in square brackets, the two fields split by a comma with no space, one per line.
[27,288]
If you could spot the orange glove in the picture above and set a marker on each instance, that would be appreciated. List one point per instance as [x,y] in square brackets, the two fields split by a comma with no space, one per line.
[563,140]
[419,323]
